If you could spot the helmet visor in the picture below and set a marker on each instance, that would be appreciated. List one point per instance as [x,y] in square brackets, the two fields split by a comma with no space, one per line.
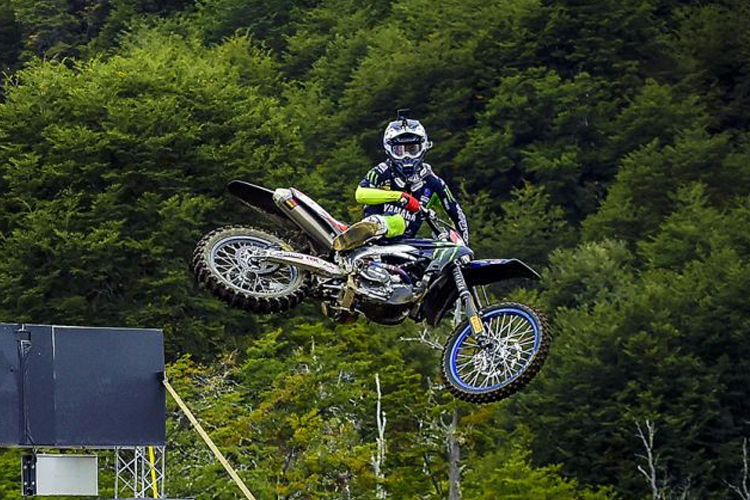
[411,150]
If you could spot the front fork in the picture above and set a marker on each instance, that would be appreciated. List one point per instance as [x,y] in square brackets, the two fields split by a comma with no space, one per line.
[468,301]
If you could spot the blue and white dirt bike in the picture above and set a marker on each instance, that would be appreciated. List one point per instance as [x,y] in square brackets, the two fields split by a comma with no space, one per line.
[494,351]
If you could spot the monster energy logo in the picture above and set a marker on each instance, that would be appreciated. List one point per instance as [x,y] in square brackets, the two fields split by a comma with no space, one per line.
[449,194]
[372,176]
[446,254]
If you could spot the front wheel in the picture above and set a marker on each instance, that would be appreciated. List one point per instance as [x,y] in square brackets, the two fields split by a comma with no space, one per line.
[497,364]
[229,263]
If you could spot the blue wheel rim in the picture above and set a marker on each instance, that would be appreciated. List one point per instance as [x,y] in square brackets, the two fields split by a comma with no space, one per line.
[506,362]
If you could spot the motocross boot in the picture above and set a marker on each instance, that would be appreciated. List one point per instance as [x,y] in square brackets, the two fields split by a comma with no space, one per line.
[360,233]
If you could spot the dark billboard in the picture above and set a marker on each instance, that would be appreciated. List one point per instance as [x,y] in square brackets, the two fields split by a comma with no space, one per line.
[67,386]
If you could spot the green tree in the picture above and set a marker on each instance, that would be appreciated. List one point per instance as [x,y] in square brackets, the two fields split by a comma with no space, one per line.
[710,45]
[646,184]
[510,475]
[50,29]
[268,21]
[618,40]
[301,406]
[10,37]
[535,128]
[10,474]
[106,22]
[665,344]
[528,227]
[112,169]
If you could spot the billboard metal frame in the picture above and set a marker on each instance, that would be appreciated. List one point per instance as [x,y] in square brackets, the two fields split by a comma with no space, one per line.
[140,471]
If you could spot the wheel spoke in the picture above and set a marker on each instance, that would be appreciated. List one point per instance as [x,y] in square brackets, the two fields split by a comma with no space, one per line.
[462,365]
[470,373]
[487,379]
[237,262]
[476,377]
[514,332]
[522,334]
[469,343]
[528,341]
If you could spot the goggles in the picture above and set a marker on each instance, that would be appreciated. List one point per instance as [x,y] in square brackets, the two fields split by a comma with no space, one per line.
[411,150]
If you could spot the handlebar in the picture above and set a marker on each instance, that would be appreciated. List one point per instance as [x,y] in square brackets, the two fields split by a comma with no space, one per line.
[434,222]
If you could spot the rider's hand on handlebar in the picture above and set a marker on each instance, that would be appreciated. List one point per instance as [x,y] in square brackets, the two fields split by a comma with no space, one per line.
[410,203]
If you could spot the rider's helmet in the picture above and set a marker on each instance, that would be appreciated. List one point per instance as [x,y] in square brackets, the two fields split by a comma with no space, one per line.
[405,142]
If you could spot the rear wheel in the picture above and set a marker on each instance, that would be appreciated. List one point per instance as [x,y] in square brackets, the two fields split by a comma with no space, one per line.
[228,263]
[497,364]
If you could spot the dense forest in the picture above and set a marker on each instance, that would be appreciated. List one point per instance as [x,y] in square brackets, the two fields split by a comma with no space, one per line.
[605,142]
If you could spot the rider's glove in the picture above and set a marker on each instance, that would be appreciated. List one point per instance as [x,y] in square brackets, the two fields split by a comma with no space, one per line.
[410,203]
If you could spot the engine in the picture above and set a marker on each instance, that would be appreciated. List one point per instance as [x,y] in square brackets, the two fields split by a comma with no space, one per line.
[376,280]
[386,292]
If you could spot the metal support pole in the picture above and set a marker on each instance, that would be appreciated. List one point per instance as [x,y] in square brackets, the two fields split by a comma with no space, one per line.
[140,471]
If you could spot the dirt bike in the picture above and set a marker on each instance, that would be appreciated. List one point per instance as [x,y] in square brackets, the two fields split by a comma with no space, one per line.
[489,356]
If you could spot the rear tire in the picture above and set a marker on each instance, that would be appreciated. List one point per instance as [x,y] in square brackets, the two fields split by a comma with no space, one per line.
[517,344]
[223,264]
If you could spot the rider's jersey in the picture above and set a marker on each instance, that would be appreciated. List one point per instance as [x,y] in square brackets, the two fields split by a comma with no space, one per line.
[425,187]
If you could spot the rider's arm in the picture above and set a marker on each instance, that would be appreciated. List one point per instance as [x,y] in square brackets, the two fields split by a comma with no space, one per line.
[374,196]
[451,206]
[369,192]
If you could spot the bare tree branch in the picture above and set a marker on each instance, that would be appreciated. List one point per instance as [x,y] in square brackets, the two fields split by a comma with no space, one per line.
[379,458]
[743,490]
[662,487]
[425,338]
[651,460]
[454,458]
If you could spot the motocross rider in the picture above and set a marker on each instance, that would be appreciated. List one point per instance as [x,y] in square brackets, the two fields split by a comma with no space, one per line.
[393,191]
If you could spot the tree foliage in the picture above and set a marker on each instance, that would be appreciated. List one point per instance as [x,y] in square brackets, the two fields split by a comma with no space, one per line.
[113,168]
[605,142]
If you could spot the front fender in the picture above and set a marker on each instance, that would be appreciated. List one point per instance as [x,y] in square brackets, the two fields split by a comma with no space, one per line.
[486,271]
[443,293]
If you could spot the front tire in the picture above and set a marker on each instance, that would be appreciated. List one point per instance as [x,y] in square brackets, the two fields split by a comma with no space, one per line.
[223,262]
[515,346]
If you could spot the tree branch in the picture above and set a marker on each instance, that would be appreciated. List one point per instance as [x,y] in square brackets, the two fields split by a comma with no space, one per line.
[424,338]
[743,490]
[651,460]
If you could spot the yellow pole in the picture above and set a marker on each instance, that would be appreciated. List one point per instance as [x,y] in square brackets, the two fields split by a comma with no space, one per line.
[237,479]
[152,459]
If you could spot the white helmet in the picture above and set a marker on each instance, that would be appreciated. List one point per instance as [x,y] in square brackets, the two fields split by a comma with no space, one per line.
[405,142]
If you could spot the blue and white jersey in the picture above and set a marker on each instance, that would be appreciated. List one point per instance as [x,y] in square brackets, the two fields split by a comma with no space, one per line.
[425,187]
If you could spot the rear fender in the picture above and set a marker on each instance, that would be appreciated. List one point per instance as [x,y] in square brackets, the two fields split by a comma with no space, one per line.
[262,199]
[257,197]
